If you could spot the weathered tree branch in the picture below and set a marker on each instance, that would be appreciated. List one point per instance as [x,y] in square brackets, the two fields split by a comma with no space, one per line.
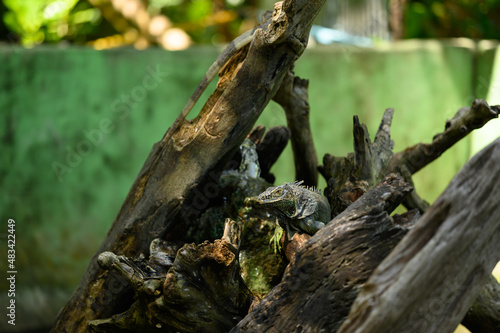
[484,315]
[294,99]
[431,279]
[351,176]
[179,176]
[181,291]
[465,121]
[414,158]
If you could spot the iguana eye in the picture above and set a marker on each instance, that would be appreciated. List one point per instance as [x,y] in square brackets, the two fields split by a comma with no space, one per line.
[279,191]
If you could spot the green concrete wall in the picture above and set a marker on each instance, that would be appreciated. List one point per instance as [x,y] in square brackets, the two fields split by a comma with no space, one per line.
[77,125]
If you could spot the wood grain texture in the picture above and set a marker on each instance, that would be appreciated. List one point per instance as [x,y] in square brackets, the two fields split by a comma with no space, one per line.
[180,174]
[484,314]
[432,278]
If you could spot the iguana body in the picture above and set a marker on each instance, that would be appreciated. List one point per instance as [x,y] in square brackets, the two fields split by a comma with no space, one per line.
[298,208]
[237,44]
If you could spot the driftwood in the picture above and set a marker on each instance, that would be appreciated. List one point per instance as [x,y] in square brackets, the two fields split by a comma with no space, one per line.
[431,279]
[202,288]
[414,158]
[309,298]
[422,286]
[180,174]
[348,178]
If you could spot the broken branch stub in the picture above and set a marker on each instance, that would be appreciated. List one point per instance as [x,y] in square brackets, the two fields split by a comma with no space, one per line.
[350,177]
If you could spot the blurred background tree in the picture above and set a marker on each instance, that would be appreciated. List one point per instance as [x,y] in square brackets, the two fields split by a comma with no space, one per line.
[478,19]
[175,24]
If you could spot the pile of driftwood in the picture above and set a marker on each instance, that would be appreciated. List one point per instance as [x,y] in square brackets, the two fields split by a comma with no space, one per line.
[425,270]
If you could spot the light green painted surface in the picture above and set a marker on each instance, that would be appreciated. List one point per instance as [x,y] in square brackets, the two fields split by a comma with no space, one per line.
[488,86]
[73,142]
[71,146]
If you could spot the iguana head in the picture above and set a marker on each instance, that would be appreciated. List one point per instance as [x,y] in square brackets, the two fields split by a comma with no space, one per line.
[278,198]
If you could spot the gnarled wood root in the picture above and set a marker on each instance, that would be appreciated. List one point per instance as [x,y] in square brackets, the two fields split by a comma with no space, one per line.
[200,291]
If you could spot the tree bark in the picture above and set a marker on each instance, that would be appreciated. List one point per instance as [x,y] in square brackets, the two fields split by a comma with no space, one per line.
[351,176]
[180,174]
[484,315]
[431,279]
[181,291]
[294,99]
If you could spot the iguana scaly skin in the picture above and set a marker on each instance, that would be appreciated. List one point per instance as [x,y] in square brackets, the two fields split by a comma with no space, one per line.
[297,208]
[237,44]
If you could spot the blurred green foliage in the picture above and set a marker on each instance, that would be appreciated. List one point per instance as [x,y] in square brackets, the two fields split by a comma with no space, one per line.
[207,21]
[78,21]
[479,19]
[50,21]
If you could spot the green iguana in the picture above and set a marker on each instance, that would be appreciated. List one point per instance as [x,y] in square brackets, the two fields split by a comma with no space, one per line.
[297,208]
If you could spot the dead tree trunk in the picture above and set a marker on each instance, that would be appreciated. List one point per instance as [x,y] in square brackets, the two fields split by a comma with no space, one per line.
[180,174]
